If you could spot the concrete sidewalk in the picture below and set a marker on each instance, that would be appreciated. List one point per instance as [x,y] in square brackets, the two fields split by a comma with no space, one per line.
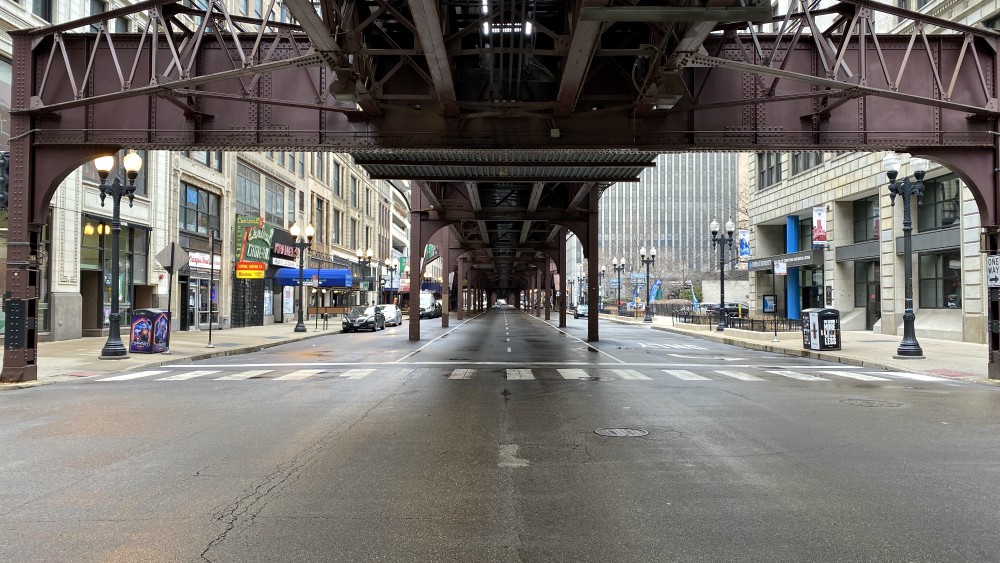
[69,359]
[947,358]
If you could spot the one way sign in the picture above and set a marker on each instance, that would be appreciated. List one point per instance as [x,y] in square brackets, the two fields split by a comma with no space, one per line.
[993,270]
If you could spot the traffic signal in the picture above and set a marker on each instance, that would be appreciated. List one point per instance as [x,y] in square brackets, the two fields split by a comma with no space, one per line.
[4,178]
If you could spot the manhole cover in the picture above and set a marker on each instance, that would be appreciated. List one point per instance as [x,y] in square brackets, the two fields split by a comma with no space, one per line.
[621,432]
[870,403]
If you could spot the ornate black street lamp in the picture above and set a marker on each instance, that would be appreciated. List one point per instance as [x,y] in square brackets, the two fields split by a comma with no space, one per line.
[581,292]
[302,242]
[391,267]
[909,348]
[365,264]
[114,348]
[648,262]
[722,241]
[618,268]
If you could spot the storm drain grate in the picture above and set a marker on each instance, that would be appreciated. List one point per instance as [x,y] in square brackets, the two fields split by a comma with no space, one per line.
[870,403]
[621,432]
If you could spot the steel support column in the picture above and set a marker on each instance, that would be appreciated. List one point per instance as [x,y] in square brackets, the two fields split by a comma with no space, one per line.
[547,294]
[593,266]
[561,265]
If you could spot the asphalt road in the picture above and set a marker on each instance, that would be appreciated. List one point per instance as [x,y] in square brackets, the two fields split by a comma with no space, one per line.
[479,443]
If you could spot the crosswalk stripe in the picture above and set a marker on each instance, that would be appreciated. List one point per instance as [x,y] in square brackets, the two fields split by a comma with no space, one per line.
[298,374]
[739,375]
[244,375]
[356,373]
[189,375]
[916,376]
[797,375]
[854,375]
[630,374]
[135,375]
[521,374]
[461,374]
[573,374]
[684,374]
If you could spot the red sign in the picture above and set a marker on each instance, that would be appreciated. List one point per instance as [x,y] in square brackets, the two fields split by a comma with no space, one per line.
[250,270]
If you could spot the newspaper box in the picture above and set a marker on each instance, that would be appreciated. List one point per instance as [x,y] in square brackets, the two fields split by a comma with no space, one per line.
[821,329]
[150,331]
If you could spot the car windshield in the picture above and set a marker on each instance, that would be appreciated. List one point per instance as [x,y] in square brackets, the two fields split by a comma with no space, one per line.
[362,311]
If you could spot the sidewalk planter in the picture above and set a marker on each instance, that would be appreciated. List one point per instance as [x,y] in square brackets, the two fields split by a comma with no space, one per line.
[150,332]
[821,329]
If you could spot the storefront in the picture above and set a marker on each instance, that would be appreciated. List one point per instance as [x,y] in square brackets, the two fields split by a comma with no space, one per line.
[800,287]
[199,290]
[95,273]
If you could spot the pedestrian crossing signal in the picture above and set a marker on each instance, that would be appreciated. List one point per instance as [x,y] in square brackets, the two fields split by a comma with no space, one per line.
[4,178]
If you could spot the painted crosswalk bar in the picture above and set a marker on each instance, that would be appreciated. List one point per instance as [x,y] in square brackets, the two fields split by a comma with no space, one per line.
[189,375]
[136,375]
[356,373]
[249,374]
[519,374]
[298,374]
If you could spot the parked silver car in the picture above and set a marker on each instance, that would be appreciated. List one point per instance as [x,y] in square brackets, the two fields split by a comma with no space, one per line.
[393,315]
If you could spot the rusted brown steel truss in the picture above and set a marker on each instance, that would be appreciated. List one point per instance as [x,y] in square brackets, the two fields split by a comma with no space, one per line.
[509,115]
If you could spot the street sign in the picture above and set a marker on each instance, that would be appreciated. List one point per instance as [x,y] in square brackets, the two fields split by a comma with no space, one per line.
[172,261]
[780,269]
[250,270]
[993,270]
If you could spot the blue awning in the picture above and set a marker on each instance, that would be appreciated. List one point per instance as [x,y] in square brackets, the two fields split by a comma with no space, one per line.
[324,277]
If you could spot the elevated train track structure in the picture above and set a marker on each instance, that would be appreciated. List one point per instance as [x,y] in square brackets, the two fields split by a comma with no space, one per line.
[510,117]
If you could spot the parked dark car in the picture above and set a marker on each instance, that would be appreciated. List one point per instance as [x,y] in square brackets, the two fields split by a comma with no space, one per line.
[364,318]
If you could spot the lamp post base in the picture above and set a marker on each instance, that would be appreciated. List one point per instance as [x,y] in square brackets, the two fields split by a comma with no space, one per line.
[647,320]
[113,350]
[301,328]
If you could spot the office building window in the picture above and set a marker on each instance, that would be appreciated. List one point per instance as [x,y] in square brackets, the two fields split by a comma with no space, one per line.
[335,226]
[320,164]
[199,210]
[320,219]
[354,192]
[247,190]
[768,169]
[804,160]
[806,234]
[354,233]
[302,163]
[336,180]
[42,9]
[942,206]
[866,219]
[97,7]
[940,280]
[274,202]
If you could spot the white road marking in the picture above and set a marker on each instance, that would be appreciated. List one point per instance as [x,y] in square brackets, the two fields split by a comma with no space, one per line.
[573,373]
[853,375]
[508,348]
[508,457]
[702,358]
[135,375]
[672,346]
[519,374]
[797,375]
[189,375]
[245,375]
[739,375]
[630,374]
[461,374]
[916,376]
[298,374]
[356,373]
[684,374]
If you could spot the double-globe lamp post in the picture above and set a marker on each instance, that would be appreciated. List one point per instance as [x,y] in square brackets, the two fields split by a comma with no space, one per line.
[391,267]
[909,348]
[618,268]
[365,263]
[723,241]
[648,262]
[114,348]
[303,238]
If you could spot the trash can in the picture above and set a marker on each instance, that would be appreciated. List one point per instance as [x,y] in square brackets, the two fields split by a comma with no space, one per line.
[150,332]
[821,329]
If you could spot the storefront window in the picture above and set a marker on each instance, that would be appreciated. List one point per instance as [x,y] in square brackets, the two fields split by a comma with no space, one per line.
[865,275]
[274,202]
[866,219]
[247,191]
[940,280]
